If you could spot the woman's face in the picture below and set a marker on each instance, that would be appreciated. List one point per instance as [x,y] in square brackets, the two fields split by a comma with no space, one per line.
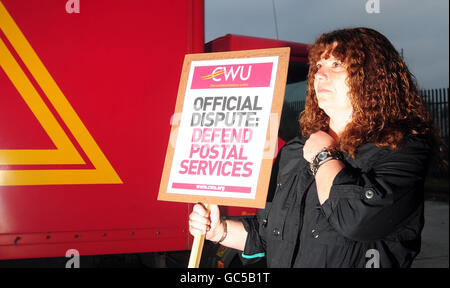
[332,91]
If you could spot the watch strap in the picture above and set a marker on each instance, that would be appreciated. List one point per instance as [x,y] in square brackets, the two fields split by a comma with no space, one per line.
[331,154]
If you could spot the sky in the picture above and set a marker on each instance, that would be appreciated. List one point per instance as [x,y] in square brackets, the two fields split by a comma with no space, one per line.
[420,28]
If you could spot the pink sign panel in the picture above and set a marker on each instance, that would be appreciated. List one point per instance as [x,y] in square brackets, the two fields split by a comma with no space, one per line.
[232,76]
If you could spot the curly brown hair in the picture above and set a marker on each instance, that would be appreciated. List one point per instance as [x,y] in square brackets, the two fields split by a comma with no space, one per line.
[383,92]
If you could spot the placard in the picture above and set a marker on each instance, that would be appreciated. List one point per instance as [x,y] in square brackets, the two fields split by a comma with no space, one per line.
[224,129]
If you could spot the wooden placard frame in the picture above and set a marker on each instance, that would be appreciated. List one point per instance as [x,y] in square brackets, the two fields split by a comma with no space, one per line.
[266,164]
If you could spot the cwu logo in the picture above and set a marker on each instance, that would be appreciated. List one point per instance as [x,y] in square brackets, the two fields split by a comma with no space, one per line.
[231,72]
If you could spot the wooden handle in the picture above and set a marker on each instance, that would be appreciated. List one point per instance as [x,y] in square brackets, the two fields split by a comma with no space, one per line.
[197,248]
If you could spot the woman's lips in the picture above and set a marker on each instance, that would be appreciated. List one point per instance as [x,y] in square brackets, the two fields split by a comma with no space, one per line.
[323,90]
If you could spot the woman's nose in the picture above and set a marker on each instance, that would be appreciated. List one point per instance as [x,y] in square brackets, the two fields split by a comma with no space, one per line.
[321,74]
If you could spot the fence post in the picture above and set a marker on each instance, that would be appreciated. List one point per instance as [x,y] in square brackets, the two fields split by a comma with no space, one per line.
[446,111]
[434,106]
[441,110]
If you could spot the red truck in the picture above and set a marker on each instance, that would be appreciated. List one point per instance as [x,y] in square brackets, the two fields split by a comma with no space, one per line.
[87,92]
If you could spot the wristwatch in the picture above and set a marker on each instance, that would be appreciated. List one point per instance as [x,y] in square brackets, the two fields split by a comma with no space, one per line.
[322,157]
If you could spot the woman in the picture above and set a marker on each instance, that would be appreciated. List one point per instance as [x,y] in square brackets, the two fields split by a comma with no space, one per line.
[350,192]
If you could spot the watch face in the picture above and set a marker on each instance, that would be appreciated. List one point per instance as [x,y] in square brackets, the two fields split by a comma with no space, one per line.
[322,155]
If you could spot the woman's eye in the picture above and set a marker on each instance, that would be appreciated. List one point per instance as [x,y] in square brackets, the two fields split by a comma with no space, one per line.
[336,64]
[318,66]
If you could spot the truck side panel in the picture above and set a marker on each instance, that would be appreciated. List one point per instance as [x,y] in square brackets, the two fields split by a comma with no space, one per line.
[117,66]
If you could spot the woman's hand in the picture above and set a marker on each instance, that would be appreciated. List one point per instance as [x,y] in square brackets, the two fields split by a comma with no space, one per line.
[315,143]
[201,221]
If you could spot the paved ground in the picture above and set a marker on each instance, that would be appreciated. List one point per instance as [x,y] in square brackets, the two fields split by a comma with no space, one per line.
[434,252]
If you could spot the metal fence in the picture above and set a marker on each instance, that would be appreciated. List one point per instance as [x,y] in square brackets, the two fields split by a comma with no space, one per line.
[296,106]
[436,100]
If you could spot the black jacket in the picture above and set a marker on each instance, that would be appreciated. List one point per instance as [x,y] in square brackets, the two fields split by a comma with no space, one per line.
[372,218]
